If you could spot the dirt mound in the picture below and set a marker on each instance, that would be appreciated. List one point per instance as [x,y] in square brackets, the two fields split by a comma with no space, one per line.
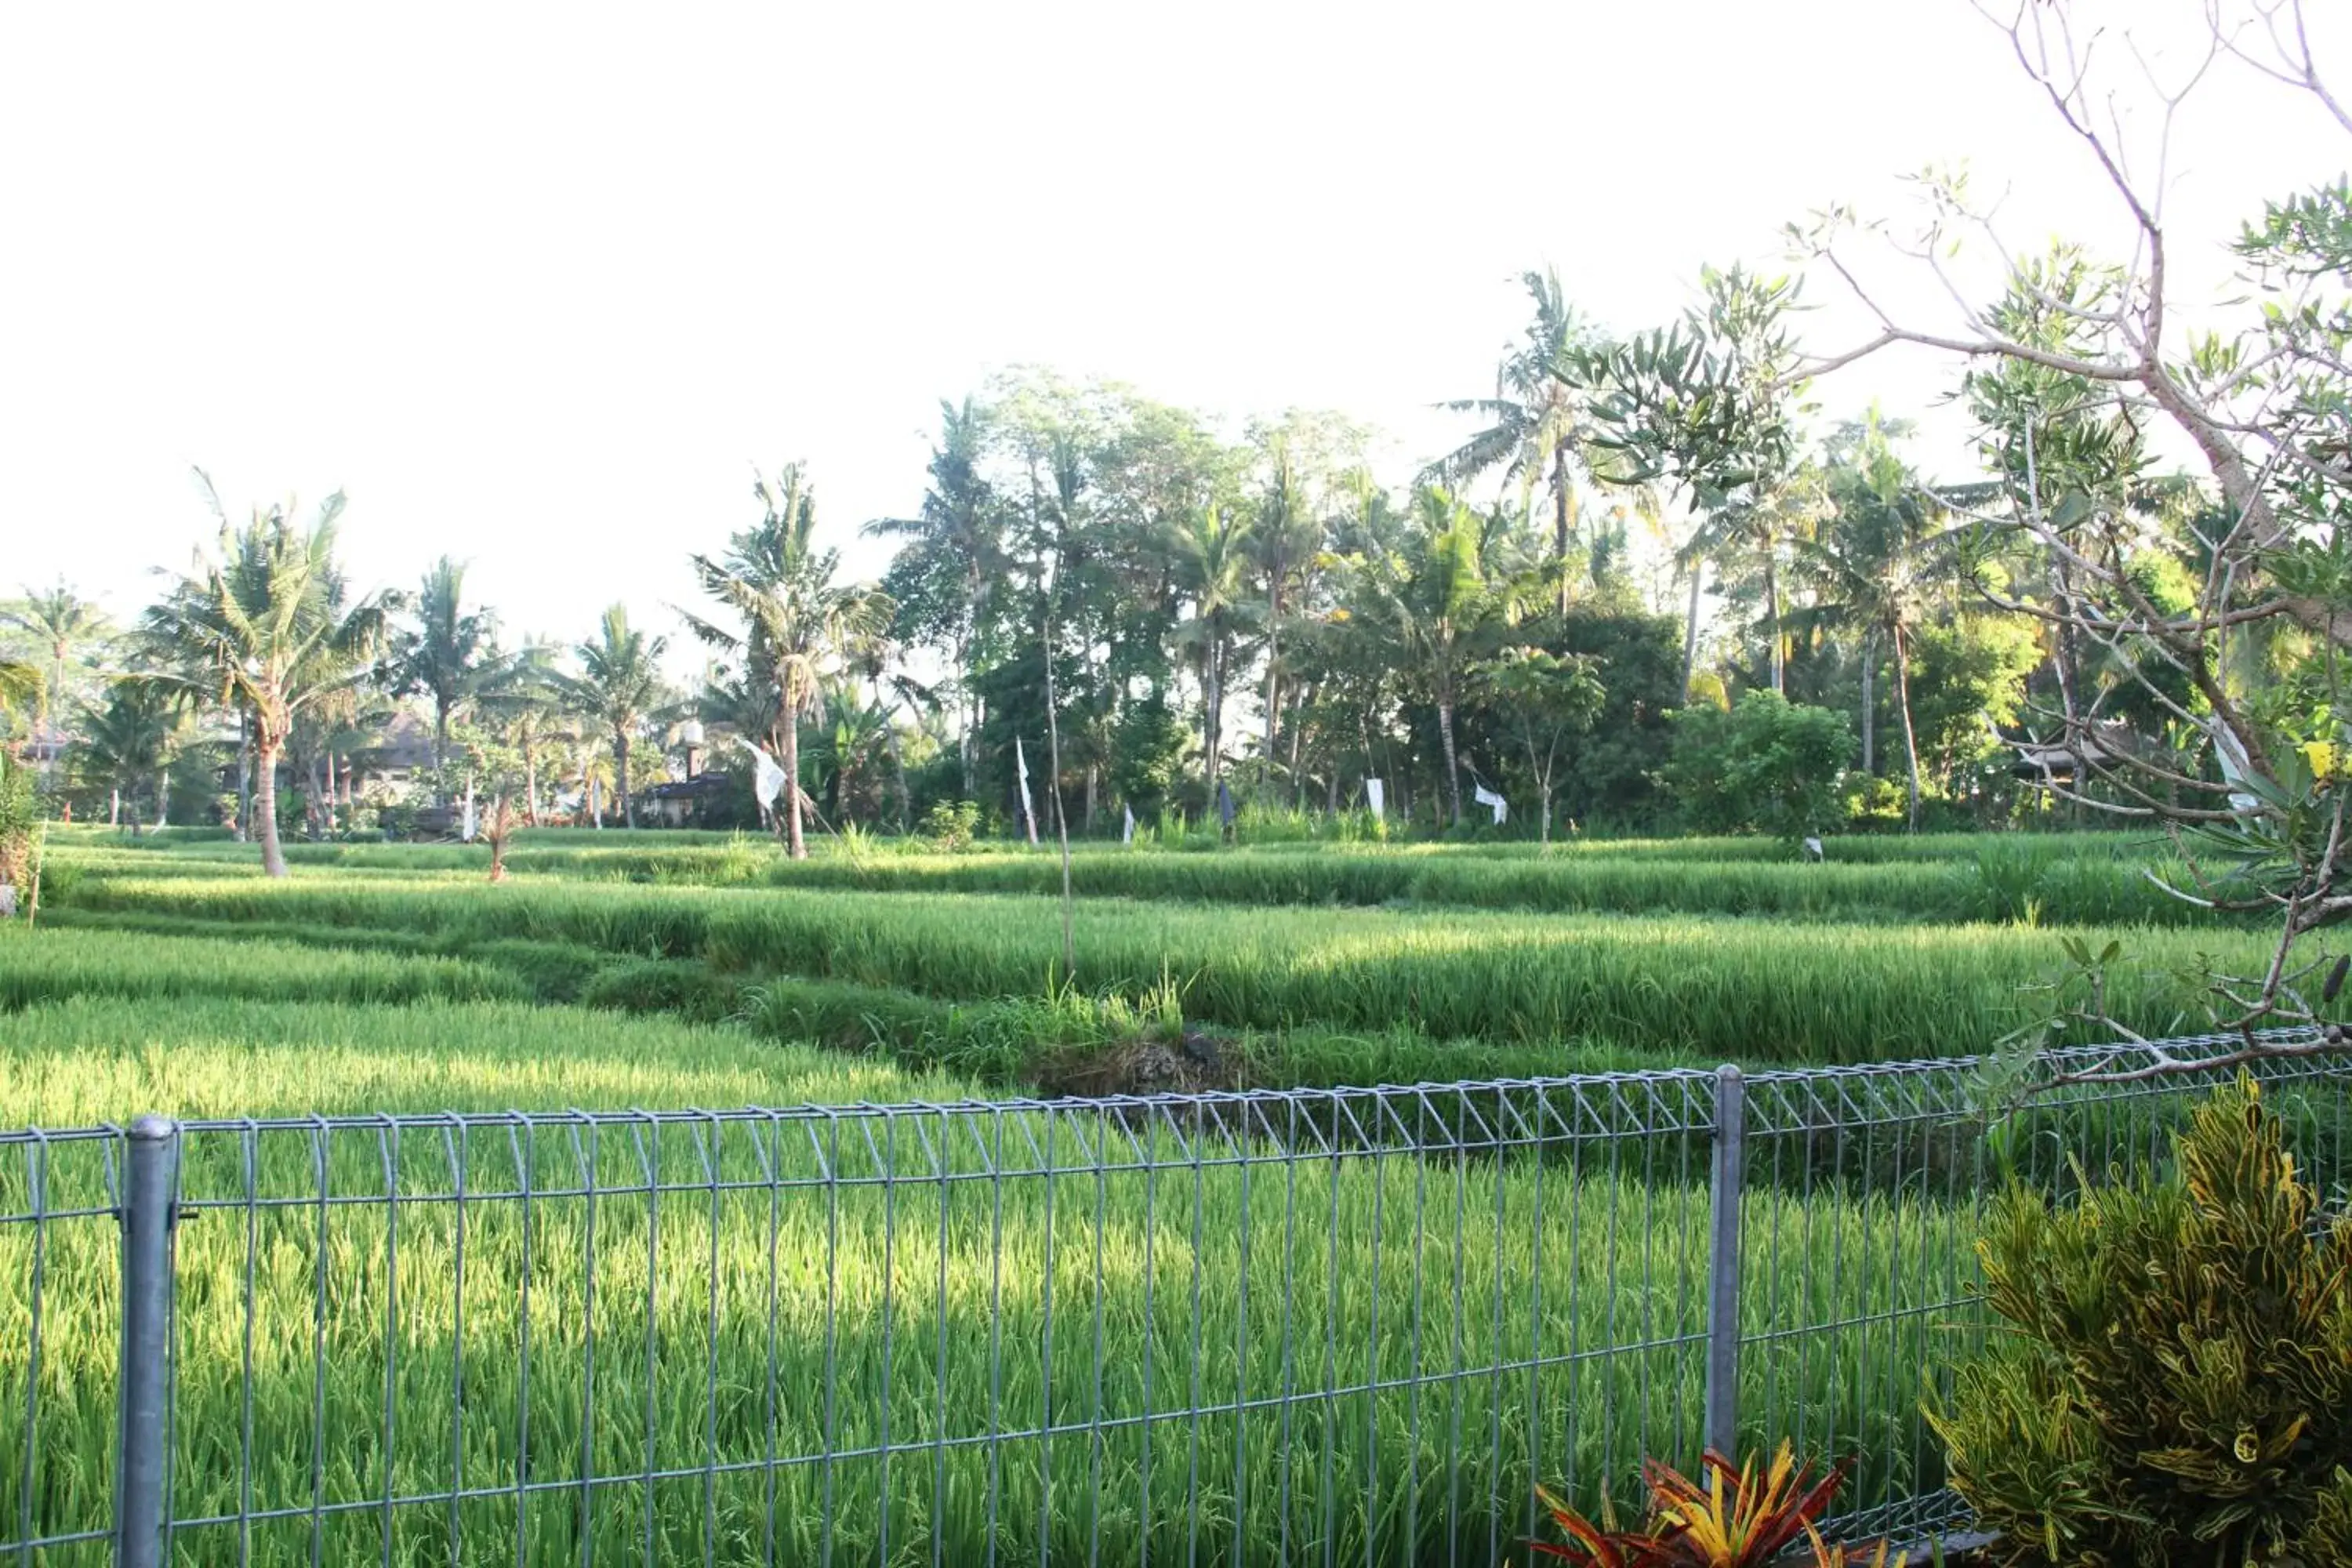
[1193,1063]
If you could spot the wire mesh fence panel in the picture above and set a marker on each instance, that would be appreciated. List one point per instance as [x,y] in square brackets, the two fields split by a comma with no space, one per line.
[60,1308]
[1863,1195]
[1308,1327]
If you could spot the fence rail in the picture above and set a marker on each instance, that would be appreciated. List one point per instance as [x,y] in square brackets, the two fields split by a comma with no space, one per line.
[1347,1326]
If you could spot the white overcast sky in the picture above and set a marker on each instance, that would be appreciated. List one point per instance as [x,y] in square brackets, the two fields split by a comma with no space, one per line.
[537,286]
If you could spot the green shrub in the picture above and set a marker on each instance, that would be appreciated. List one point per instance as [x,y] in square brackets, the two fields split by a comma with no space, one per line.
[950,825]
[1768,766]
[2177,1384]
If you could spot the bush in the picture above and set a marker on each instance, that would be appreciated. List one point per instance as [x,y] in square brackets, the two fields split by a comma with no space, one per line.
[2177,1384]
[1769,765]
[950,825]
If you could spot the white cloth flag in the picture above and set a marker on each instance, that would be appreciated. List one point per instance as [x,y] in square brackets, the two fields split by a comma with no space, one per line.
[1485,796]
[1376,795]
[1813,849]
[1127,834]
[466,831]
[1028,812]
[770,781]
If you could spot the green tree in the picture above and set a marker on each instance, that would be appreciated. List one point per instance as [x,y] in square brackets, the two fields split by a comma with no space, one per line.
[129,741]
[1212,568]
[62,622]
[1769,765]
[1540,434]
[1450,594]
[619,688]
[446,652]
[265,628]
[947,571]
[794,621]
[1550,698]
[1880,564]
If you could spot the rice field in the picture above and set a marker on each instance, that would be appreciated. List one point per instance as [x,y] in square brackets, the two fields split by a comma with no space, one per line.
[1706,987]
[684,1334]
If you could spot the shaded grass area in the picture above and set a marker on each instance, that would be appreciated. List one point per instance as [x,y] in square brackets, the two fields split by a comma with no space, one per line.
[1690,986]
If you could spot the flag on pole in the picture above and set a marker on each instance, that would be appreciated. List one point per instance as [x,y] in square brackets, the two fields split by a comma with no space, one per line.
[466,831]
[1485,796]
[1028,812]
[1376,795]
[770,781]
[1127,834]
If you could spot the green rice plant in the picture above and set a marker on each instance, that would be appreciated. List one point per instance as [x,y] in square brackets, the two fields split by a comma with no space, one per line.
[1259,1363]
[109,1059]
[51,963]
[1718,989]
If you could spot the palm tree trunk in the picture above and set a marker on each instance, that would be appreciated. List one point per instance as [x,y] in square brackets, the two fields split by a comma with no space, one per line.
[1690,630]
[1559,524]
[245,777]
[898,775]
[164,795]
[796,844]
[1869,708]
[1910,740]
[1453,770]
[1772,616]
[265,803]
[531,780]
[1273,688]
[114,806]
[621,771]
[441,749]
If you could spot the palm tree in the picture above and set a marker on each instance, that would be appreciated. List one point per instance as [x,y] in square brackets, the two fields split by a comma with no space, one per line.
[265,629]
[1453,588]
[62,621]
[1539,435]
[130,738]
[447,654]
[1285,539]
[795,620]
[1213,571]
[20,685]
[1760,529]
[1876,564]
[619,687]
[956,545]
[877,658]
[522,694]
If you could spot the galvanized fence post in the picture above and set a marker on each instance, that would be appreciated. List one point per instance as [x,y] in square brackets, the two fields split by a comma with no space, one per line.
[150,1202]
[1722,1415]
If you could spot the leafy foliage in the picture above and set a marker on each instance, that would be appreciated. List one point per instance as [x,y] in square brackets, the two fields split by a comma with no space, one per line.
[1769,766]
[2176,1384]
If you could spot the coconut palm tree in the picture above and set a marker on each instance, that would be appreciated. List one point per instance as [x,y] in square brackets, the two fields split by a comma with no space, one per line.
[130,740]
[265,628]
[1455,587]
[1211,554]
[445,653]
[61,621]
[1878,564]
[619,688]
[955,549]
[794,622]
[1539,435]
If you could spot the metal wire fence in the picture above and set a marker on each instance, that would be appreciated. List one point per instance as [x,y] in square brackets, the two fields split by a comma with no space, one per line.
[1338,1327]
